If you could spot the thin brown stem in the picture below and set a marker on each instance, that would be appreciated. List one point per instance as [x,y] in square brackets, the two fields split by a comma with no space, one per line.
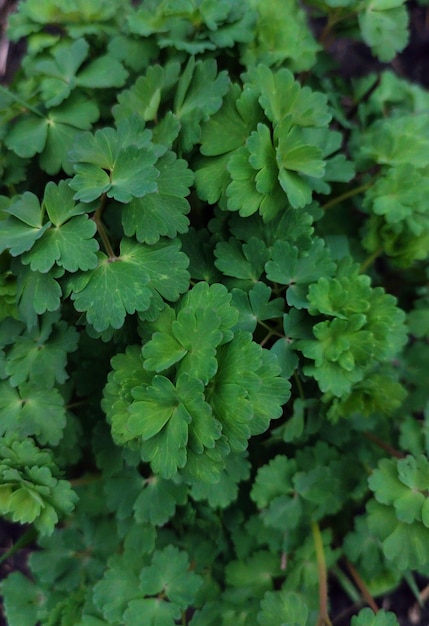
[385,446]
[324,619]
[85,480]
[362,587]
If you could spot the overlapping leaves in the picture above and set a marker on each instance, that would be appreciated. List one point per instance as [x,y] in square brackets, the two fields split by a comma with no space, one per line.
[139,278]
[66,240]
[355,338]
[262,138]
[212,389]
[30,490]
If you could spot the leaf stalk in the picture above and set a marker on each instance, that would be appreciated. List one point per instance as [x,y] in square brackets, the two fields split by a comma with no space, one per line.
[324,619]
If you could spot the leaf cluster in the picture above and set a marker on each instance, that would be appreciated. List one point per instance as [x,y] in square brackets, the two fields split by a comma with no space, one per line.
[213,313]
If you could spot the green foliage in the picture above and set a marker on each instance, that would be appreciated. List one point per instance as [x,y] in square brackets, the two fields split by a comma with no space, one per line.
[213,312]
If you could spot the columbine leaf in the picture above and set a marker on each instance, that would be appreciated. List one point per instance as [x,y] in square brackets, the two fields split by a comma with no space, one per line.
[146,94]
[69,242]
[158,500]
[163,414]
[162,212]
[298,268]
[223,493]
[242,193]
[384,27]
[367,617]
[58,73]
[129,282]
[256,306]
[20,231]
[296,159]
[169,573]
[157,612]
[30,410]
[105,71]
[116,162]
[41,355]
[283,607]
[281,37]
[404,545]
[36,294]
[402,484]
[53,136]
[282,96]
[23,600]
[28,136]
[240,374]
[29,489]
[198,96]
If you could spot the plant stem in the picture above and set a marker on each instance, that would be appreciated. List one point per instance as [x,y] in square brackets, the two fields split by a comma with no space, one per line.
[101,229]
[385,446]
[362,587]
[346,195]
[347,585]
[21,102]
[23,541]
[299,385]
[85,480]
[323,579]
[370,260]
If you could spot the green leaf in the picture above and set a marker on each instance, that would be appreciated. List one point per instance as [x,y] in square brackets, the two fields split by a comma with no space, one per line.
[298,268]
[281,37]
[23,600]
[367,617]
[129,282]
[157,502]
[242,193]
[29,489]
[28,136]
[229,128]
[384,27]
[272,480]
[118,162]
[283,608]
[36,293]
[30,410]
[146,94]
[24,227]
[156,612]
[58,73]
[169,573]
[222,493]
[282,97]
[255,573]
[119,585]
[162,212]
[242,386]
[53,135]
[404,545]
[198,96]
[256,306]
[105,71]
[69,242]
[402,484]
[40,356]
[296,159]
[168,418]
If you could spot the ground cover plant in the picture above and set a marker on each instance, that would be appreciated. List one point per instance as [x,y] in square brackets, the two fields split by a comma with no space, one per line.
[214,313]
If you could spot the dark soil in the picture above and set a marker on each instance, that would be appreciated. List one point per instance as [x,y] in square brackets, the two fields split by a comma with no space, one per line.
[354,59]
